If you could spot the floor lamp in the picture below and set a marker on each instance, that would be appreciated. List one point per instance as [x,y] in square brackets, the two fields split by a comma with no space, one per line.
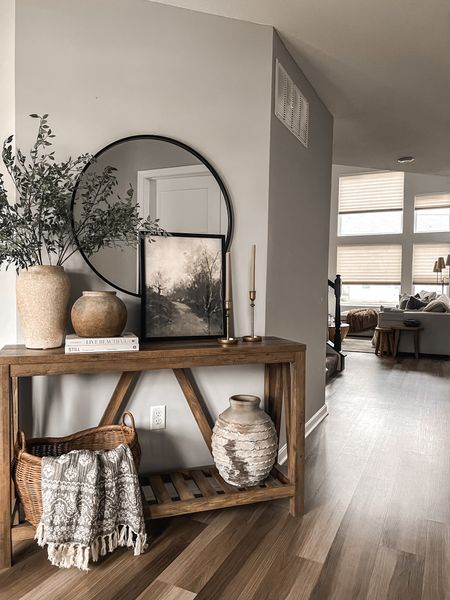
[441,269]
[436,270]
[447,262]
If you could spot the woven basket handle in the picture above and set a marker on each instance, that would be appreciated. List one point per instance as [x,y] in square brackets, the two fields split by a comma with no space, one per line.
[133,424]
[21,442]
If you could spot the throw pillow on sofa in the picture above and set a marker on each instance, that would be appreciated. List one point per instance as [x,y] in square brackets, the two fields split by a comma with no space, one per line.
[427,296]
[403,300]
[415,304]
[440,304]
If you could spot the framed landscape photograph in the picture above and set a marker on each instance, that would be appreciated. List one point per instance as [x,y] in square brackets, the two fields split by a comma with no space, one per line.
[182,286]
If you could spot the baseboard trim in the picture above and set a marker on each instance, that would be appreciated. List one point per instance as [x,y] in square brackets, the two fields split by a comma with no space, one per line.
[317,418]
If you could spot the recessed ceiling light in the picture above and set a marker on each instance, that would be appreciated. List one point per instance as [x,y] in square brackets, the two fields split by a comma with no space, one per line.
[405,160]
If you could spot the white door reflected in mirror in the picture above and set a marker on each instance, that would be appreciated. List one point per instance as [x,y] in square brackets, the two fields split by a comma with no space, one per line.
[185,199]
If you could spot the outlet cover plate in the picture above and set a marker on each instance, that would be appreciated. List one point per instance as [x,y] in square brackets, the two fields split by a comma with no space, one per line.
[158,417]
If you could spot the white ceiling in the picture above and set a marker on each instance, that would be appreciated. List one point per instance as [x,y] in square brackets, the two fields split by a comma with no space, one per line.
[382,68]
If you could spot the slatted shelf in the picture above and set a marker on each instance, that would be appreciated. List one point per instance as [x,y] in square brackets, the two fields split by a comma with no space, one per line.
[202,488]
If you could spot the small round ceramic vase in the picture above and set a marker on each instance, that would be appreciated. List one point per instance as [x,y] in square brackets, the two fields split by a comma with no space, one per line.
[42,295]
[99,314]
[244,442]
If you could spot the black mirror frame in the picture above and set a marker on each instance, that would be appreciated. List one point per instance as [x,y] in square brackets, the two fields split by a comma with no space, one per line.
[161,138]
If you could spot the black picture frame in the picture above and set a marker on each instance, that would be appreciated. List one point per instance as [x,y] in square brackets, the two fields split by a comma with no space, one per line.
[161,138]
[145,337]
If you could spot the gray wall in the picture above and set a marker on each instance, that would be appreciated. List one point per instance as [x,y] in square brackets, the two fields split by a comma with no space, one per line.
[8,321]
[206,81]
[299,216]
[415,183]
[108,69]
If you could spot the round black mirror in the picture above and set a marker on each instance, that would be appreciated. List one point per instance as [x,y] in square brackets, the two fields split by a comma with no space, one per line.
[171,182]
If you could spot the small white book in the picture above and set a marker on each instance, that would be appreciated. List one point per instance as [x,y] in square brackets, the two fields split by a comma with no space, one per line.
[128,342]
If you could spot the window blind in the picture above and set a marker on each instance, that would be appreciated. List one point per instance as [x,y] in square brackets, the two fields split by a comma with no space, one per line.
[366,264]
[424,257]
[432,201]
[371,192]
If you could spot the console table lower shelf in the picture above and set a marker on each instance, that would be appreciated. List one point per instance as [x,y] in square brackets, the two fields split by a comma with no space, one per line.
[202,488]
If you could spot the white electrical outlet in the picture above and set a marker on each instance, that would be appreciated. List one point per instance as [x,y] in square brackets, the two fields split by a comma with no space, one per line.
[157,417]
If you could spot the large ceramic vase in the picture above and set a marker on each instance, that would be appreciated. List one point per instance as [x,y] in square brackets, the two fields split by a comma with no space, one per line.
[244,442]
[42,294]
[99,314]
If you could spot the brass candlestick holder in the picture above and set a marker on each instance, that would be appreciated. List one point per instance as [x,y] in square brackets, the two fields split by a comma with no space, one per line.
[252,337]
[228,341]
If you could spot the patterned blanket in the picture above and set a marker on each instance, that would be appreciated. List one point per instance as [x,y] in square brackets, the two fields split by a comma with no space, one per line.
[91,505]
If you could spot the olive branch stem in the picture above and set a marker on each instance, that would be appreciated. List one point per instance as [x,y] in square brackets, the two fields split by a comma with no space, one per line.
[37,226]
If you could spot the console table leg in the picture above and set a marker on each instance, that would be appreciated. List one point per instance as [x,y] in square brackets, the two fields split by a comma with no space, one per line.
[273,391]
[13,434]
[287,398]
[296,446]
[196,403]
[5,468]
[124,387]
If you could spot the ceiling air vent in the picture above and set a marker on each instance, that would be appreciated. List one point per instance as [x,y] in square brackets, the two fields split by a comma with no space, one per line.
[291,106]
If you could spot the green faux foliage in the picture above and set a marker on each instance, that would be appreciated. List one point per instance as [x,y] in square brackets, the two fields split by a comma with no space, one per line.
[37,228]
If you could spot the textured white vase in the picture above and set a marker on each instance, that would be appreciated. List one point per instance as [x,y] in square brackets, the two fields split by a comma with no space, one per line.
[42,294]
[244,442]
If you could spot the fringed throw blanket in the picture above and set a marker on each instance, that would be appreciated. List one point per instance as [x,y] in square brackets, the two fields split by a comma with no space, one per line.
[91,505]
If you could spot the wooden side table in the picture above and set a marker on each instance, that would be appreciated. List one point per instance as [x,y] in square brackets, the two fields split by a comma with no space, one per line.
[384,341]
[397,333]
[345,327]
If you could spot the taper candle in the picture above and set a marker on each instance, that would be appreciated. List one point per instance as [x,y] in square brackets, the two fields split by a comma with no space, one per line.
[252,296]
[252,269]
[228,277]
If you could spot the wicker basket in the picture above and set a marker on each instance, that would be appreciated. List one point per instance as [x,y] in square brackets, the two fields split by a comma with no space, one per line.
[29,453]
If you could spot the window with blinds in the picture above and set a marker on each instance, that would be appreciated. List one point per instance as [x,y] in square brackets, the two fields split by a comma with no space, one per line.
[424,257]
[371,204]
[432,212]
[370,264]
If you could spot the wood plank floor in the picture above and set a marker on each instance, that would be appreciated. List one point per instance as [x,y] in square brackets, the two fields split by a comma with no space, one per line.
[377,524]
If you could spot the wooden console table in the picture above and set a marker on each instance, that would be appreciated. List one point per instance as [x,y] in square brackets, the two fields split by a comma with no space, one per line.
[284,382]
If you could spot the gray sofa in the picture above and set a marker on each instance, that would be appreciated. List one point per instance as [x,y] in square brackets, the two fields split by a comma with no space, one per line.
[435,336]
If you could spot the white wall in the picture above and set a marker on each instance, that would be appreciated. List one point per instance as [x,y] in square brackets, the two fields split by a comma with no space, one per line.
[8,334]
[108,69]
[415,183]
[299,216]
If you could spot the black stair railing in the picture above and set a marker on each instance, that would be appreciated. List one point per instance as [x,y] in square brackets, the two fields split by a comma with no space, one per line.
[337,287]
